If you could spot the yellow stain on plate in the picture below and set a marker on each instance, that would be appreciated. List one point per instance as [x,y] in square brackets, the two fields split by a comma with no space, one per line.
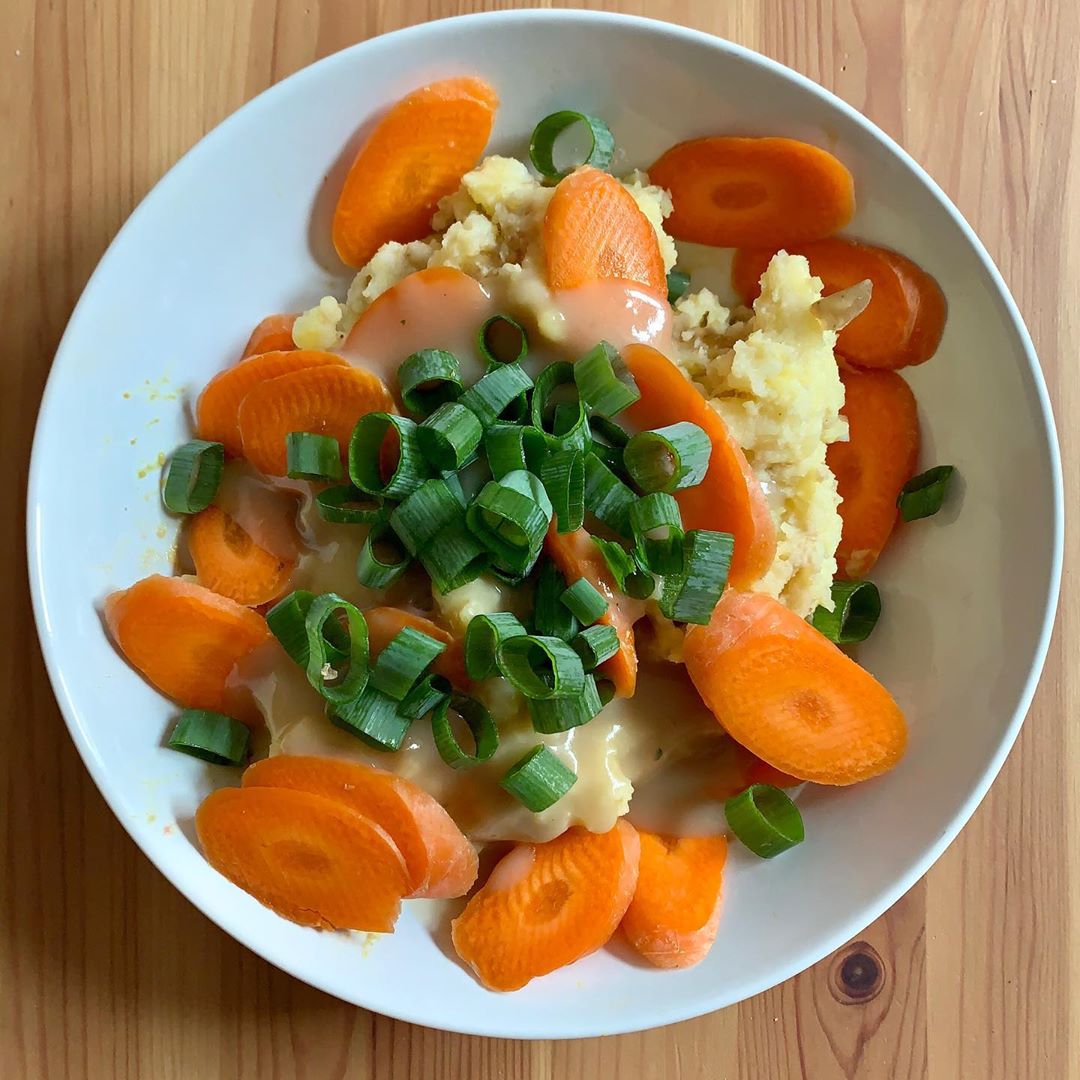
[367,943]
[152,466]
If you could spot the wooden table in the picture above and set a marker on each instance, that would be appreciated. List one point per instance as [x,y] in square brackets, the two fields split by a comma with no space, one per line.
[107,972]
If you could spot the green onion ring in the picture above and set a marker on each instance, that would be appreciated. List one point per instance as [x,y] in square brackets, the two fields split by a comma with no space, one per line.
[691,595]
[322,655]
[765,820]
[428,379]
[668,458]
[538,780]
[545,134]
[382,559]
[347,505]
[856,609]
[483,636]
[480,724]
[210,736]
[923,495]
[312,457]
[541,667]
[192,476]
[604,381]
[366,456]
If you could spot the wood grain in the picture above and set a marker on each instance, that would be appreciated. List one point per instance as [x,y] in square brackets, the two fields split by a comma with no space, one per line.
[105,971]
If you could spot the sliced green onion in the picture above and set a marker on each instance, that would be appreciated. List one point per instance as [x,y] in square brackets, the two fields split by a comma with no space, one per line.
[510,524]
[494,392]
[480,724]
[604,381]
[502,340]
[193,476]
[677,284]
[425,513]
[553,715]
[538,780]
[607,431]
[382,559]
[456,559]
[607,498]
[347,505]
[449,436]
[923,495]
[605,689]
[323,654]
[287,621]
[640,584]
[404,660]
[856,609]
[668,458]
[312,457]
[510,447]
[619,561]
[529,484]
[573,430]
[595,644]
[541,666]
[657,527]
[563,474]
[545,134]
[367,456]
[374,717]
[583,599]
[691,595]
[429,378]
[551,617]
[765,820]
[210,736]
[426,695]
[482,639]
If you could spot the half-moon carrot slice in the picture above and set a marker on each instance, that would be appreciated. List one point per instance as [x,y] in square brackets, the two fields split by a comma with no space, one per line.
[931,312]
[272,334]
[547,905]
[790,696]
[184,639]
[326,400]
[384,622]
[879,458]
[594,229]
[439,860]
[673,917]
[310,859]
[219,404]
[228,561]
[416,154]
[732,191]
[730,498]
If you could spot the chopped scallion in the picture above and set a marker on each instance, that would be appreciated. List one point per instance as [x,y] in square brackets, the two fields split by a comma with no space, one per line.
[657,527]
[428,379]
[210,736]
[668,458]
[765,820]
[552,715]
[856,609]
[583,599]
[595,644]
[374,717]
[449,436]
[347,505]
[563,474]
[192,476]
[502,340]
[923,495]
[312,457]
[691,595]
[546,133]
[483,637]
[485,734]
[604,381]
[384,457]
[382,559]
[541,666]
[404,660]
[538,780]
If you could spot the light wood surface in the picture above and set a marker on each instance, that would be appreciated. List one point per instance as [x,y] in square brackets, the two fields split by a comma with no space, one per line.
[105,971]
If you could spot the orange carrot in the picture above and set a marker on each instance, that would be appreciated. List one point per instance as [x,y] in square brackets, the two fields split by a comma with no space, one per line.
[439,860]
[577,556]
[730,498]
[184,639]
[325,400]
[228,561]
[930,316]
[594,229]
[731,191]
[790,696]
[673,917]
[219,404]
[310,859]
[384,622]
[416,154]
[273,334]
[547,905]
[871,468]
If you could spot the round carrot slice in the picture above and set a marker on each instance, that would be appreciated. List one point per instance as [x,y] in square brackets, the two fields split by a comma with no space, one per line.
[930,316]
[383,623]
[731,191]
[439,860]
[273,334]
[325,400]
[547,905]
[310,859]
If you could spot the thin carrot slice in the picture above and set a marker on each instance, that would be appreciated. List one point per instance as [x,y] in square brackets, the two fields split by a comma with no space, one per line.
[871,468]
[416,154]
[184,639]
[384,622]
[547,905]
[325,400]
[440,861]
[790,696]
[310,859]
[228,561]
[273,334]
[219,404]
[673,917]
[731,191]
[730,498]
[594,229]
[930,316]
[578,557]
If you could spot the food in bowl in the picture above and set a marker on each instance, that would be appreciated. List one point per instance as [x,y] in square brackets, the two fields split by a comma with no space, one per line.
[524,542]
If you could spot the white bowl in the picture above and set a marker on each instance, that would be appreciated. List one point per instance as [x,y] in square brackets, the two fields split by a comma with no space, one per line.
[237,229]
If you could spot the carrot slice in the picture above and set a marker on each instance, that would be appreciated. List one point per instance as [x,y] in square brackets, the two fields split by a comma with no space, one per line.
[547,905]
[219,404]
[730,498]
[871,468]
[731,191]
[228,561]
[416,154]
[931,312]
[325,400]
[272,334]
[184,639]
[310,859]
[578,557]
[594,229]
[439,860]
[384,622]
[790,696]
[673,917]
